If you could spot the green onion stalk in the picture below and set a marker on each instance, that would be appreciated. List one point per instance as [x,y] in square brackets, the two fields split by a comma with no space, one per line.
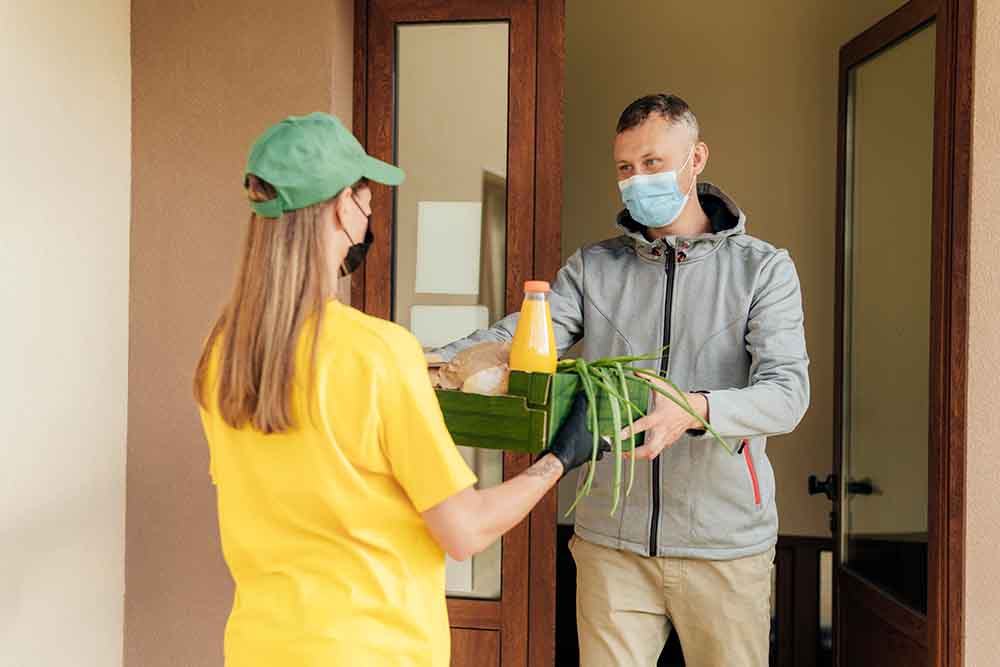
[610,376]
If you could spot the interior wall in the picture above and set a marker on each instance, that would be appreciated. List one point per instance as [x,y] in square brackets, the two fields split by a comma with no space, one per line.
[762,79]
[207,79]
[64,344]
[982,529]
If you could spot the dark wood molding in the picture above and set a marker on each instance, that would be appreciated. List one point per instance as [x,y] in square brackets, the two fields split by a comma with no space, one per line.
[895,27]
[838,337]
[947,635]
[360,117]
[432,11]
[474,614]
[805,588]
[514,566]
[379,142]
[950,291]
[475,647]
[550,136]
[942,628]
[796,604]
[522,76]
[865,594]
[783,605]
[548,258]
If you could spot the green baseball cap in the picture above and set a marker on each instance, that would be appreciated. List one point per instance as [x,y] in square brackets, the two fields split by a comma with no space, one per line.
[309,159]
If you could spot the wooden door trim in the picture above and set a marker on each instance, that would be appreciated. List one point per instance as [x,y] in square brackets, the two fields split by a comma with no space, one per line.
[359,125]
[909,623]
[474,614]
[942,634]
[893,28]
[796,604]
[946,607]
[548,259]
[381,17]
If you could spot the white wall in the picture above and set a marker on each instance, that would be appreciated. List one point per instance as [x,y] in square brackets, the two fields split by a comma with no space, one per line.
[64,258]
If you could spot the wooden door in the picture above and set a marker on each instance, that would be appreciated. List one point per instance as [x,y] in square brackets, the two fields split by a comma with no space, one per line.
[466,95]
[902,281]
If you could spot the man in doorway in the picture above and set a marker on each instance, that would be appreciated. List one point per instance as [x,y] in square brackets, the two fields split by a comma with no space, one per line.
[692,547]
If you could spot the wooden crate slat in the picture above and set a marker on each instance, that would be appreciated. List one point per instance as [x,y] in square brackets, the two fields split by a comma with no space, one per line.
[528,417]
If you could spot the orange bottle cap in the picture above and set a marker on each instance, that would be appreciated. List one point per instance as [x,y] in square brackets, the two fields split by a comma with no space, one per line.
[536,286]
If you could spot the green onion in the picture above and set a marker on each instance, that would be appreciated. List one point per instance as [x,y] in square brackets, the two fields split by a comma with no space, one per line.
[610,376]
[592,416]
[628,416]
[616,420]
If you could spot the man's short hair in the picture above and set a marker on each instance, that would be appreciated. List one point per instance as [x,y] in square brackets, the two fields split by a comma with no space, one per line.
[672,108]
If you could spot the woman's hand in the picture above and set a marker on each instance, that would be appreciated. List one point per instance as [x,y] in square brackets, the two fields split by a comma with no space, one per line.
[574,444]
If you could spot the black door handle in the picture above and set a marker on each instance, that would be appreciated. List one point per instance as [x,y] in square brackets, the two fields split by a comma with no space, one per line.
[863,487]
[827,487]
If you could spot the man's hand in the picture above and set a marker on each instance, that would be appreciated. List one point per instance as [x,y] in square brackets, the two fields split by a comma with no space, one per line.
[667,422]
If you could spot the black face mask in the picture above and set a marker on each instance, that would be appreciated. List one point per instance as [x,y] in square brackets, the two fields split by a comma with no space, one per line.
[356,253]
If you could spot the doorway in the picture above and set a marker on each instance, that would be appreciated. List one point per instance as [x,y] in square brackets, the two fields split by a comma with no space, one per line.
[768,87]
[898,481]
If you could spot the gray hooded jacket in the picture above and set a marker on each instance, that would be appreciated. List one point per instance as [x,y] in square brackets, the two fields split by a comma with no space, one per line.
[730,309]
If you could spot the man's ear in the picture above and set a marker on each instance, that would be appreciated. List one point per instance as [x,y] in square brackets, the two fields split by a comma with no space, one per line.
[700,157]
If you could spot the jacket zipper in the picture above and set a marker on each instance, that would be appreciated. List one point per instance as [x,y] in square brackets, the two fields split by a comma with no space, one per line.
[668,306]
[753,472]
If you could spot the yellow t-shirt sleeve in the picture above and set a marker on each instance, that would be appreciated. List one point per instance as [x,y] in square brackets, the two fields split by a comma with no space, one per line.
[421,452]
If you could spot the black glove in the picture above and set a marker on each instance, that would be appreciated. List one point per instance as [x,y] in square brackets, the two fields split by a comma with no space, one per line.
[574,443]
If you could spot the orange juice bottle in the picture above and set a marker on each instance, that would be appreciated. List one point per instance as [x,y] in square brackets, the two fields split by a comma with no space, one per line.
[534,346]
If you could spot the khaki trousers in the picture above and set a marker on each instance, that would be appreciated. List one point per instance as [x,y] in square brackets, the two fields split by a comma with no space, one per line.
[626,605]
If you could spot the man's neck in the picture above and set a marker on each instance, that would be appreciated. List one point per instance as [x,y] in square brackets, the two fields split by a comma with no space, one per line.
[692,222]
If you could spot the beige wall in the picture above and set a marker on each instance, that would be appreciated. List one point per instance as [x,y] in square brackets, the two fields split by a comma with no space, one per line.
[762,77]
[208,78]
[982,590]
[64,340]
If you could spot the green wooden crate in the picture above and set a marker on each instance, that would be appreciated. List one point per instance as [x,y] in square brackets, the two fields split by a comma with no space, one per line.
[528,416]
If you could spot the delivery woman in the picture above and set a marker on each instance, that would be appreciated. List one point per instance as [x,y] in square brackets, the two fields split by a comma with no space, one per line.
[339,487]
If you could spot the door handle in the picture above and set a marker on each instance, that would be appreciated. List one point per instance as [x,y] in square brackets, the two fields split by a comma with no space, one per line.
[862,487]
[828,487]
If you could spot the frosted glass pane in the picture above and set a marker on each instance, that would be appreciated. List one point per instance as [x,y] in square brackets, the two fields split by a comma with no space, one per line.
[448,244]
[435,326]
[458,575]
[887,317]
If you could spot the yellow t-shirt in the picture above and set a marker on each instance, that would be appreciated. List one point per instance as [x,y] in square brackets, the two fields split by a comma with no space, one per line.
[321,526]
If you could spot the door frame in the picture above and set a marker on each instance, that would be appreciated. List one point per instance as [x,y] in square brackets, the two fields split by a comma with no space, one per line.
[940,631]
[525,614]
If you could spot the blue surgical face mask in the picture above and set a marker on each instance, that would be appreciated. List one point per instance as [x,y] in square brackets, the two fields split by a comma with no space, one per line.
[655,200]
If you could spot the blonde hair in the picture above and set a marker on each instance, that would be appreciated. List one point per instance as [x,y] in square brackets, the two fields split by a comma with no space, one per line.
[280,285]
